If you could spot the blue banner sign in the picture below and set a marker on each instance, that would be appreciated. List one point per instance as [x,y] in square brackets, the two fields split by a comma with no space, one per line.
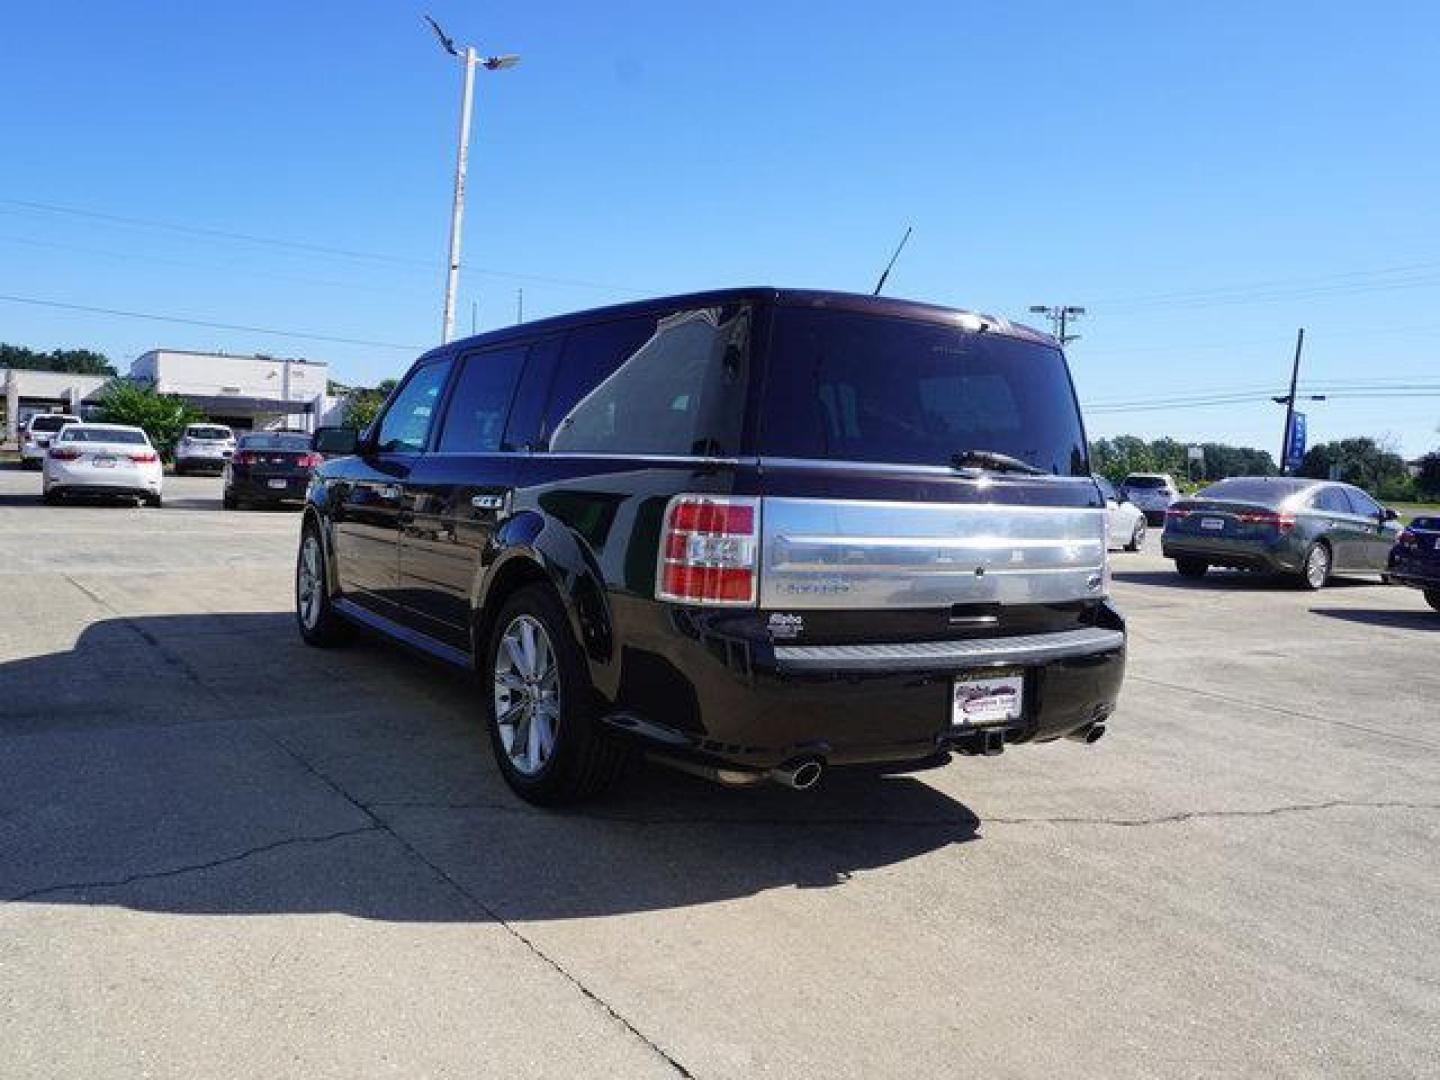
[1295,442]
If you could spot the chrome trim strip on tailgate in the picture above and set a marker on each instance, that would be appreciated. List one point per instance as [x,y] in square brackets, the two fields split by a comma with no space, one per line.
[860,554]
[926,655]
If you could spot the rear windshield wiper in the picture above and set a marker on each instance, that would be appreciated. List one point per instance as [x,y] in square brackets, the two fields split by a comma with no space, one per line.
[992,460]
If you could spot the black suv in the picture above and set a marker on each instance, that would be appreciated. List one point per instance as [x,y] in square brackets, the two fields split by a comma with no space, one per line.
[753,533]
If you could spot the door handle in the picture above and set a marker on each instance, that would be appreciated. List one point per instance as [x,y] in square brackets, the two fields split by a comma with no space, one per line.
[487,502]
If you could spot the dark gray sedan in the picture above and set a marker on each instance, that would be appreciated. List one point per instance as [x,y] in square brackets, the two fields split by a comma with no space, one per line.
[1308,529]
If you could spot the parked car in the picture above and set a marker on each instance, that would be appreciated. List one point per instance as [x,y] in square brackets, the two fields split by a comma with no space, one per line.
[103,460]
[754,533]
[1415,558]
[1151,492]
[1308,529]
[35,437]
[1125,523]
[268,467]
[204,446]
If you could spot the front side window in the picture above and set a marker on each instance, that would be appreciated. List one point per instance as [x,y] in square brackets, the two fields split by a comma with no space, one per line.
[480,403]
[406,424]
[880,389]
[1361,502]
[675,385]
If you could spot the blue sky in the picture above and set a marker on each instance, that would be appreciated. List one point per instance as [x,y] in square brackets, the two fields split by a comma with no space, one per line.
[1203,178]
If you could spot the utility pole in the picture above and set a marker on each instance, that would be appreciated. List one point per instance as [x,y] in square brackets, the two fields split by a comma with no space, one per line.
[470,58]
[1060,316]
[519,306]
[1289,401]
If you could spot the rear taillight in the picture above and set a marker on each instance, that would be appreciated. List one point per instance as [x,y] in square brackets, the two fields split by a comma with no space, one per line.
[311,461]
[710,551]
[145,457]
[1175,513]
[1283,522]
[64,455]
[1407,539]
[244,457]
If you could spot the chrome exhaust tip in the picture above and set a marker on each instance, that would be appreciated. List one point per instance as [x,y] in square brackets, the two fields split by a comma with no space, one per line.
[799,775]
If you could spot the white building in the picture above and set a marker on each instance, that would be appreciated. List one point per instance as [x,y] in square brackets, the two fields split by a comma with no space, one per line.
[27,392]
[242,391]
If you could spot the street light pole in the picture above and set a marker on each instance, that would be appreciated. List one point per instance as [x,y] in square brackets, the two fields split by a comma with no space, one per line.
[1289,401]
[470,58]
[457,209]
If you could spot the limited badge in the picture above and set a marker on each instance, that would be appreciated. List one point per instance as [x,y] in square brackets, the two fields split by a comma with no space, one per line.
[784,627]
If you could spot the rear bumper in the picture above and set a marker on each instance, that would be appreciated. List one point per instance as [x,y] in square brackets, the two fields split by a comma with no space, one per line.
[1418,573]
[1279,558]
[741,702]
[193,460]
[258,488]
[88,479]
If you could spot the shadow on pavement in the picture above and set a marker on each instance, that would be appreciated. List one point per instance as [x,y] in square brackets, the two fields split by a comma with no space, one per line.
[1420,619]
[214,764]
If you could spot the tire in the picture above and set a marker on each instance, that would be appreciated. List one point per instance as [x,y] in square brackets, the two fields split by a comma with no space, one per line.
[1194,569]
[580,760]
[155,501]
[228,500]
[179,469]
[52,497]
[320,624]
[1432,597]
[1137,538]
[1315,570]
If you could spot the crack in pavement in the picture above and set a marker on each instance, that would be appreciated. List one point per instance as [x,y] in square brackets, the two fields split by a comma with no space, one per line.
[189,868]
[937,823]
[485,909]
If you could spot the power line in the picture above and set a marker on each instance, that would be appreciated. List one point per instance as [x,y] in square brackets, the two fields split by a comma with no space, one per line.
[183,321]
[317,249]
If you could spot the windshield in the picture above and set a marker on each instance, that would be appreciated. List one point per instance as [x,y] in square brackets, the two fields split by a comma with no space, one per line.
[201,432]
[1145,482]
[875,388]
[274,440]
[102,435]
[50,423]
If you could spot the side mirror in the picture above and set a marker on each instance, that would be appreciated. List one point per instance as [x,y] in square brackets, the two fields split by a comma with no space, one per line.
[1388,514]
[335,441]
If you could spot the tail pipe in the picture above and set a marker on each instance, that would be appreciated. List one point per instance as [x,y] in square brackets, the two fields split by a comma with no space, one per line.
[800,774]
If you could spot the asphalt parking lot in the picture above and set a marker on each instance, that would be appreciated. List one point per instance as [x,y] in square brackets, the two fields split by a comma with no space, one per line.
[225,854]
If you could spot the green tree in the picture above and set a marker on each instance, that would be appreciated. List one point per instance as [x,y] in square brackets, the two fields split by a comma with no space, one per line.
[75,361]
[163,416]
[1363,461]
[1427,484]
[362,406]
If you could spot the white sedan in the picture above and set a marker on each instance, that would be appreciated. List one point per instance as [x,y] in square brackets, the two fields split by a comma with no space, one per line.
[103,459]
[1124,521]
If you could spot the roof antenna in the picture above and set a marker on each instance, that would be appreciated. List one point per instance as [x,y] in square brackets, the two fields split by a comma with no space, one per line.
[891,264]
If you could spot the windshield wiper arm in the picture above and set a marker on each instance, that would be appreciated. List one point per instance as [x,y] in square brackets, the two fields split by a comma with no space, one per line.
[992,460]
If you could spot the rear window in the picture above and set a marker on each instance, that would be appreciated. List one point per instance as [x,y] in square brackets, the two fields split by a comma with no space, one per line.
[1145,481]
[201,432]
[103,435]
[272,440]
[673,385]
[50,423]
[867,388]
[1246,489]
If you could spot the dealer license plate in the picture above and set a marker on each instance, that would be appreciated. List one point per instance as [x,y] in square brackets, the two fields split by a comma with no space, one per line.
[279,483]
[1218,524]
[989,699]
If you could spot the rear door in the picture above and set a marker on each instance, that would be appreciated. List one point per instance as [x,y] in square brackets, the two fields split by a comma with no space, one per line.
[456,493]
[874,525]
[368,499]
[1333,513]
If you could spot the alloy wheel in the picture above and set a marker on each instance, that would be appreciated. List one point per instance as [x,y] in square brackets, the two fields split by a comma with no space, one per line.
[527,694]
[309,587]
[1317,566]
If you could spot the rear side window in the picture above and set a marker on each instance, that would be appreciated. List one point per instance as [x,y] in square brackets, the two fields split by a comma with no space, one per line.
[1332,500]
[673,385]
[407,420]
[874,388]
[480,402]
